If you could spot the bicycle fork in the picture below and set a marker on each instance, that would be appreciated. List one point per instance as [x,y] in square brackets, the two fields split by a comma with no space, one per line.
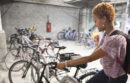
[42,75]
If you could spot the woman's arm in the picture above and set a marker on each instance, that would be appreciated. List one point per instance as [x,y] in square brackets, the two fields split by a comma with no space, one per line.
[98,53]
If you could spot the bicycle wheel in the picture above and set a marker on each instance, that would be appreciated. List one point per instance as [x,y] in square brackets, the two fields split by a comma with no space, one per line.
[60,74]
[12,46]
[84,78]
[21,68]
[14,41]
[69,79]
[89,44]
[60,35]
[40,68]
[11,57]
[55,75]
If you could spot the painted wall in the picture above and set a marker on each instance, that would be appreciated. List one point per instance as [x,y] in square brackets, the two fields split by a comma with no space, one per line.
[24,15]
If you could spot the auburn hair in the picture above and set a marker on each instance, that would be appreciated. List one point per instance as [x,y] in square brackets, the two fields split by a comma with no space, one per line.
[104,9]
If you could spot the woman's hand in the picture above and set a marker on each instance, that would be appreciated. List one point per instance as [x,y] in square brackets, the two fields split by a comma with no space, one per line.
[61,65]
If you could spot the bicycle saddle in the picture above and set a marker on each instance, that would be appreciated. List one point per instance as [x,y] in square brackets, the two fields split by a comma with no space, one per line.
[48,38]
[60,47]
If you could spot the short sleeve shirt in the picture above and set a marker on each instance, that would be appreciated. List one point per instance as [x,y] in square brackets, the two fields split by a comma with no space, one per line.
[115,46]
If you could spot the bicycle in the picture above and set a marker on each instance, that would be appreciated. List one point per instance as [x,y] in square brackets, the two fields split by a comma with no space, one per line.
[17,41]
[24,67]
[33,65]
[68,79]
[16,50]
[85,39]
[58,57]
[67,34]
[13,55]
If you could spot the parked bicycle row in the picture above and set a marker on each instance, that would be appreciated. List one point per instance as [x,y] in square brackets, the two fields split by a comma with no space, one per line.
[88,40]
[67,34]
[32,59]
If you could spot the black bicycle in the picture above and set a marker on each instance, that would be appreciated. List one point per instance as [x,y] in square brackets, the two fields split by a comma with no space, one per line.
[68,79]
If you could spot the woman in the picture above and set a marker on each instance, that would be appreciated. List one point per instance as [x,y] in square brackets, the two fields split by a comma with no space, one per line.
[109,49]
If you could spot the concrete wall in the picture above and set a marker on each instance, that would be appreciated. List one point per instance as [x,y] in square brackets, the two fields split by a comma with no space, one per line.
[24,15]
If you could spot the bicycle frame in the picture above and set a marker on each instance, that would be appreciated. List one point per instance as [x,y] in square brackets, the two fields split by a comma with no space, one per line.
[42,75]
[30,62]
[79,79]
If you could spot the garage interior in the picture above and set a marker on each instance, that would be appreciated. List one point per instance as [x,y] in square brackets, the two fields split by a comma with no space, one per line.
[61,14]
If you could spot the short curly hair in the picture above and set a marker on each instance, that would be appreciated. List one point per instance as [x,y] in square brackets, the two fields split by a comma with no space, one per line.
[104,9]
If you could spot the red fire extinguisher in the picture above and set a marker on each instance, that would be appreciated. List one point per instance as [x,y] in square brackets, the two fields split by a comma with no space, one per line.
[48,25]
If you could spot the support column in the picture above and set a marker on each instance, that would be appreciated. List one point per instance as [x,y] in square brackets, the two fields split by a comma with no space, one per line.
[88,15]
[127,21]
[128,11]
[123,22]
[125,17]
[84,19]
[3,49]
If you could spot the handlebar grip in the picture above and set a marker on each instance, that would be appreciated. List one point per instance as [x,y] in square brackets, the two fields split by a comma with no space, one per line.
[54,65]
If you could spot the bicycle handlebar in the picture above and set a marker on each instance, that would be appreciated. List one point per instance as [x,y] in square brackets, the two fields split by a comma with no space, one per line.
[25,31]
[53,65]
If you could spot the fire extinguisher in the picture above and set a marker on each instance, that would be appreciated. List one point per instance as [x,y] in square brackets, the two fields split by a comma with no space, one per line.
[48,25]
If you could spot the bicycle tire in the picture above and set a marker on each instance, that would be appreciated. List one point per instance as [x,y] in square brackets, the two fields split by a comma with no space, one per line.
[75,35]
[13,43]
[58,74]
[60,35]
[43,59]
[89,44]
[14,78]
[11,57]
[85,77]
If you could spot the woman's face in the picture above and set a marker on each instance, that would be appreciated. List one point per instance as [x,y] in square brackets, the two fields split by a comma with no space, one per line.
[99,23]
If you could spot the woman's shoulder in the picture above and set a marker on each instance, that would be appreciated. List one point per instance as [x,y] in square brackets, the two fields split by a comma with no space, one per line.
[118,39]
[116,35]
[114,39]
